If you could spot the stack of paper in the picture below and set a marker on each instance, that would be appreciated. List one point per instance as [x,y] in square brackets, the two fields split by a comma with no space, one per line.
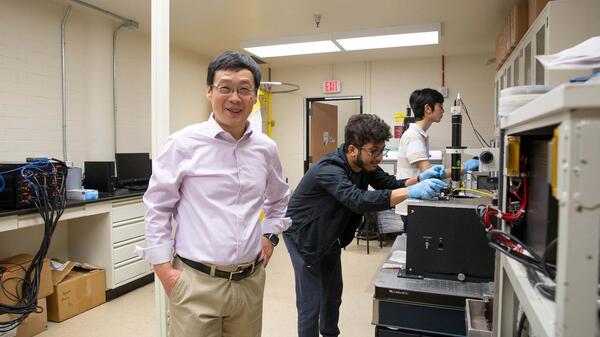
[585,55]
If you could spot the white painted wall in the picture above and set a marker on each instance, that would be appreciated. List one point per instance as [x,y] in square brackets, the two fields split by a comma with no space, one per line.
[30,84]
[386,87]
[30,88]
[188,89]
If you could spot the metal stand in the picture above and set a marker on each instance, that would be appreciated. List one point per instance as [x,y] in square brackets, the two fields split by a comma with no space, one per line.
[368,230]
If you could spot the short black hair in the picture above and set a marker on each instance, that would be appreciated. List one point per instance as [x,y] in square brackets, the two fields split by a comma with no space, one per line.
[365,128]
[420,98]
[233,60]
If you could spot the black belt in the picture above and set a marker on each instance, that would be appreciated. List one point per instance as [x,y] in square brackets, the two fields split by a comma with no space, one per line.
[235,275]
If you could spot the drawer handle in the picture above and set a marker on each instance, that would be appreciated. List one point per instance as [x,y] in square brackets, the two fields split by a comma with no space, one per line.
[129,261]
[128,222]
[138,239]
[127,202]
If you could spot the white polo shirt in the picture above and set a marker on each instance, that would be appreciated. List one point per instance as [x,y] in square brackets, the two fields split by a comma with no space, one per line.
[412,148]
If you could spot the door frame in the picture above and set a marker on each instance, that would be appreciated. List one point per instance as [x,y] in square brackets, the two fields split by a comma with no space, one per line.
[307,105]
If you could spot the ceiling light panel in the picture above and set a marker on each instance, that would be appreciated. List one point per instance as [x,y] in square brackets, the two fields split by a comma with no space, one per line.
[288,49]
[390,41]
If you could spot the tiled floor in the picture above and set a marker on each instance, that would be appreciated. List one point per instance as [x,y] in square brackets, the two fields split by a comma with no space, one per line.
[134,315]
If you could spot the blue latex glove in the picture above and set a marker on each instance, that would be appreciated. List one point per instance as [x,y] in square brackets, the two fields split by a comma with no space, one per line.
[436,171]
[427,189]
[472,165]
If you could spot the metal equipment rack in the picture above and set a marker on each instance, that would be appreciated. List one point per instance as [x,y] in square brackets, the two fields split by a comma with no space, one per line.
[574,110]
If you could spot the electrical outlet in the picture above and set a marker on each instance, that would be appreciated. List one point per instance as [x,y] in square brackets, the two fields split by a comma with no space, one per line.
[444,91]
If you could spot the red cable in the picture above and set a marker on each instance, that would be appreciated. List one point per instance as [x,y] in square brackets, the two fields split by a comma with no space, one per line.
[504,240]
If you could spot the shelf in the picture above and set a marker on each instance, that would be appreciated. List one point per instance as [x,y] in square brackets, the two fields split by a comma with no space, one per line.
[573,112]
[21,221]
[561,24]
[549,106]
[540,311]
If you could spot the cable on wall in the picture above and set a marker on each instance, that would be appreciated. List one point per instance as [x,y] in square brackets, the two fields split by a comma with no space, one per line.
[64,82]
[125,22]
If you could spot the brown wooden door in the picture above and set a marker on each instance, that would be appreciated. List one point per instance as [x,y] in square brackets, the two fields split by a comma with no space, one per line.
[323,130]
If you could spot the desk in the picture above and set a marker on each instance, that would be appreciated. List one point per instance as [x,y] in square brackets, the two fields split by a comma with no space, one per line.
[421,307]
[101,232]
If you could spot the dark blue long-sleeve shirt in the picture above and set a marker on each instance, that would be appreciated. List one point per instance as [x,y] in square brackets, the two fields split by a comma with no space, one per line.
[329,200]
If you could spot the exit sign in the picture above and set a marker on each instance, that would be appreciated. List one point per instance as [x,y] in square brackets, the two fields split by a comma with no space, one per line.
[332,86]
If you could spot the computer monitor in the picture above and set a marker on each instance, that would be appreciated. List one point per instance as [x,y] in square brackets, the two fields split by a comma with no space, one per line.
[133,168]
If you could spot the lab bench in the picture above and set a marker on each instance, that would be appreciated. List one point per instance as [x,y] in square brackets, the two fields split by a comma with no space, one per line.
[101,232]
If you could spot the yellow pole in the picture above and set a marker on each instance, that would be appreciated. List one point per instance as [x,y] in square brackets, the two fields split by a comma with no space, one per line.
[270,121]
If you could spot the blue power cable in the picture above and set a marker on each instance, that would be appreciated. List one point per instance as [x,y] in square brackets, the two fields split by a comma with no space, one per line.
[33,165]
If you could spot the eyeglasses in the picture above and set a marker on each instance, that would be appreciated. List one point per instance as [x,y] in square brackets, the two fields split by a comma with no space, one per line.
[374,153]
[227,90]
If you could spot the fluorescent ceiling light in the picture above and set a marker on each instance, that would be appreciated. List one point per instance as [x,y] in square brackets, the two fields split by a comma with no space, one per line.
[288,49]
[389,41]
[401,36]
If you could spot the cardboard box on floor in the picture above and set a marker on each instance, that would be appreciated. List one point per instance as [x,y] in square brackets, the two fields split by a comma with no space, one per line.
[13,271]
[77,288]
[35,323]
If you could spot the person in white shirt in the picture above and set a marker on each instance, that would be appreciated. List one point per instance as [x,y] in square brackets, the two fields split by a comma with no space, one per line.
[413,149]
[214,179]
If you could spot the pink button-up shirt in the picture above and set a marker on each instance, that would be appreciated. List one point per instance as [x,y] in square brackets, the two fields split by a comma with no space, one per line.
[214,187]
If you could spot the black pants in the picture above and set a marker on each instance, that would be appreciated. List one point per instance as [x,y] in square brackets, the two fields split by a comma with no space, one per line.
[318,292]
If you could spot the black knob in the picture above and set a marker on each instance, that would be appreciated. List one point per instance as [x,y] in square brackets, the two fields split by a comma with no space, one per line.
[486,157]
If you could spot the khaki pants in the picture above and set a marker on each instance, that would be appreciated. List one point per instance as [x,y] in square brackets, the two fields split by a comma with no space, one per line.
[204,306]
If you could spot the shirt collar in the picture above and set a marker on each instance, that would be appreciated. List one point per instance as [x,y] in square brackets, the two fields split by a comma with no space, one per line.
[214,129]
[417,128]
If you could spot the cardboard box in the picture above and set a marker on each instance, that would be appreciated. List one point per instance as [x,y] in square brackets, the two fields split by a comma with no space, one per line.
[508,47]
[518,23]
[500,51]
[515,26]
[535,8]
[13,272]
[77,288]
[34,323]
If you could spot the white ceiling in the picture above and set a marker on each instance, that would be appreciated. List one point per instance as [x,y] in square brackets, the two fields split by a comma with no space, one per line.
[211,26]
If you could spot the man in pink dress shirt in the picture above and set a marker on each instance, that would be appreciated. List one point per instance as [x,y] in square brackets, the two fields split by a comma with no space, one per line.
[213,179]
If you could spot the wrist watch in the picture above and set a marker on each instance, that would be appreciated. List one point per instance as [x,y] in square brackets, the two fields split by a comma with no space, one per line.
[273,238]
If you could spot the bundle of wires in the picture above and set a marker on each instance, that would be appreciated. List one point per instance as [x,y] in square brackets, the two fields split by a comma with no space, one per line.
[511,246]
[488,194]
[487,212]
[41,176]
[549,270]
[503,241]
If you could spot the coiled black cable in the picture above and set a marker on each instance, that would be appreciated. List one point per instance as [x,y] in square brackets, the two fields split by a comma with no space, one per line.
[43,178]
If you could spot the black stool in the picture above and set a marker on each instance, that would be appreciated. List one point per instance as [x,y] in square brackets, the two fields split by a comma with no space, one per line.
[369,230]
